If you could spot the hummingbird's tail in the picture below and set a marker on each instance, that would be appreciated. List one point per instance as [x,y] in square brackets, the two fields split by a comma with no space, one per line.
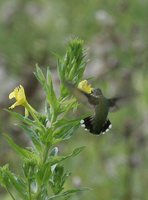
[106,127]
[89,124]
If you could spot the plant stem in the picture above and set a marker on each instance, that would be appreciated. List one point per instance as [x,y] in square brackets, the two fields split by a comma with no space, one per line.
[46,153]
[29,190]
[11,194]
[33,113]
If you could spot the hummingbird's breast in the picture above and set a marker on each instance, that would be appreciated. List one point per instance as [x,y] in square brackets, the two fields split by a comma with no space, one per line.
[101,112]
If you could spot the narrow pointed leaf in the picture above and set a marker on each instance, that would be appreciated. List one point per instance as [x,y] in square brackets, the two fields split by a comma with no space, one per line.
[68,192]
[22,152]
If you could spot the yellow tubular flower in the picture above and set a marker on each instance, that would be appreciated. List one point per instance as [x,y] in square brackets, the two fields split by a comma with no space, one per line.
[19,94]
[85,86]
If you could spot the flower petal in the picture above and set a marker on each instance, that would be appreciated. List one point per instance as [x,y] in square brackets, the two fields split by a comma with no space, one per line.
[11,95]
[85,86]
[19,94]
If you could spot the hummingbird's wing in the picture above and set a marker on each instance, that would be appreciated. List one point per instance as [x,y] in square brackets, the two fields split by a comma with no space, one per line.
[114,104]
[117,102]
[82,96]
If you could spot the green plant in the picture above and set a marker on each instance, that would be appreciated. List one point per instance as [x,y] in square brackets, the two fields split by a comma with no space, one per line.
[44,176]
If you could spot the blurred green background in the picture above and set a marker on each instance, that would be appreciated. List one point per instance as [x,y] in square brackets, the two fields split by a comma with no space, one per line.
[115,165]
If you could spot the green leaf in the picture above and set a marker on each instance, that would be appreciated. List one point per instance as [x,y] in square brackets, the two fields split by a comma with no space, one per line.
[76,151]
[67,193]
[35,138]
[19,185]
[21,118]
[49,90]
[65,132]
[58,179]
[9,180]
[51,97]
[65,128]
[44,173]
[39,75]
[22,152]
[56,159]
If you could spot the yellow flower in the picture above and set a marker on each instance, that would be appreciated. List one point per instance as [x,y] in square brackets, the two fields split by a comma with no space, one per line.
[19,94]
[85,86]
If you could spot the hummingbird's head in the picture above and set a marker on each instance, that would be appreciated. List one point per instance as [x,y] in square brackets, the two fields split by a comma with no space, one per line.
[87,88]
[97,92]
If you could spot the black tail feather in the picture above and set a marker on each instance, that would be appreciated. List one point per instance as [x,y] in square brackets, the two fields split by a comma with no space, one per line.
[88,124]
[107,125]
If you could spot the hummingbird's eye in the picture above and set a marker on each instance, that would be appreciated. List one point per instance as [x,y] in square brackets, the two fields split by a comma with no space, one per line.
[97,92]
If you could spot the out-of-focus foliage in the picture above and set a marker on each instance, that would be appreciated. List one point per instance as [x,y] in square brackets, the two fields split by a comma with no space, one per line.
[113,165]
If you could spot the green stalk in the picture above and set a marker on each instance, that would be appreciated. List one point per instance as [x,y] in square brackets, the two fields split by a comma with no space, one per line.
[10,194]
[45,155]
[29,190]
[34,113]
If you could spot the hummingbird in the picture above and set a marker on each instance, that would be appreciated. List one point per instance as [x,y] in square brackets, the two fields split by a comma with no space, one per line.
[97,123]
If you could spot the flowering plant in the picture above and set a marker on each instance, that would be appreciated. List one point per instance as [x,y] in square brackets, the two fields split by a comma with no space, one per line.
[44,175]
